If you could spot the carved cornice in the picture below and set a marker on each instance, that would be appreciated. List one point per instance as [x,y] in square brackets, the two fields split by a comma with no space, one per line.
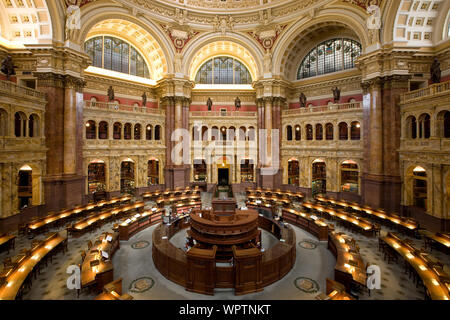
[49,79]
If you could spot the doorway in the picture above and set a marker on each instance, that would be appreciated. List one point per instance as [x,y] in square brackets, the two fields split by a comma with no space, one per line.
[223,176]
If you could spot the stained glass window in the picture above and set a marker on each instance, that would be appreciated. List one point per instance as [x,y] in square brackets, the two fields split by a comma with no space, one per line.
[116,55]
[223,70]
[330,56]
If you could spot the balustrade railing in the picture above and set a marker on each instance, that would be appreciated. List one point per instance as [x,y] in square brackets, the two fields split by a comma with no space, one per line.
[111,106]
[426,92]
[331,107]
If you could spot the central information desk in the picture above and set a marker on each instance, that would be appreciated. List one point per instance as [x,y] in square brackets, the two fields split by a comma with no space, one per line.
[249,271]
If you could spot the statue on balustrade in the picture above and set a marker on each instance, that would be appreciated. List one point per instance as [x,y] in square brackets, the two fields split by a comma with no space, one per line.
[209,103]
[8,67]
[144,100]
[336,95]
[110,94]
[303,100]
[435,71]
[237,103]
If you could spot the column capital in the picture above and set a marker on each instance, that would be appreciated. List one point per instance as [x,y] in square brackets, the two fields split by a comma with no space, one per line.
[50,79]
[175,87]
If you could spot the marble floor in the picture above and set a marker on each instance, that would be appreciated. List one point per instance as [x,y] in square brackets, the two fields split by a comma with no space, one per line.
[133,262]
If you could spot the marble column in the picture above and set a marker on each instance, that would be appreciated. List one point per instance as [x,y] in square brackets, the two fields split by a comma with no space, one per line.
[64,183]
[381,179]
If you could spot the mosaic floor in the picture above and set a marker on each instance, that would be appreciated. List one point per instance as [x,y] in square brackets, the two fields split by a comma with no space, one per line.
[133,262]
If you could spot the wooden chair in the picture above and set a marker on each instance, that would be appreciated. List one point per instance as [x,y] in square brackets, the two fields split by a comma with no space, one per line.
[83,256]
[390,254]
[22,229]
[89,244]
[376,229]
[7,262]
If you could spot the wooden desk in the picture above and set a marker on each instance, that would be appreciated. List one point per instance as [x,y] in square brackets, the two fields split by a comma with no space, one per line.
[436,281]
[440,239]
[308,222]
[350,267]
[113,291]
[102,273]
[7,242]
[139,222]
[16,276]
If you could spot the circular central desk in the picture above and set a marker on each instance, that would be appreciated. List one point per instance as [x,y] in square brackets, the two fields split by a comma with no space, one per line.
[199,271]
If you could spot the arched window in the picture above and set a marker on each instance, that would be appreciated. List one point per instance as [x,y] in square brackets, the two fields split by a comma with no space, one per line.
[446,133]
[158,132]
[330,56]
[33,126]
[20,124]
[411,125]
[251,134]
[231,134]
[289,133]
[195,133]
[127,131]
[204,136]
[343,131]
[355,130]
[137,131]
[223,70]
[3,123]
[90,129]
[117,55]
[242,133]
[215,133]
[319,132]
[309,132]
[298,133]
[103,130]
[148,132]
[424,126]
[117,131]
[329,131]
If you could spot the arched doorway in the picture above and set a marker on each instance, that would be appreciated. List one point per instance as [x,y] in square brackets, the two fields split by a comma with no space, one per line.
[96,176]
[420,187]
[127,182]
[153,172]
[25,187]
[293,172]
[223,172]
[350,176]
[319,177]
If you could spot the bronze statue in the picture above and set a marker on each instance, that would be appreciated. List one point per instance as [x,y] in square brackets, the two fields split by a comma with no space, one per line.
[144,100]
[336,95]
[237,103]
[209,103]
[110,94]
[435,71]
[302,100]
[8,67]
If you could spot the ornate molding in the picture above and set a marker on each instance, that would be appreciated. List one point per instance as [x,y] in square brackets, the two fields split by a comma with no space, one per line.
[267,36]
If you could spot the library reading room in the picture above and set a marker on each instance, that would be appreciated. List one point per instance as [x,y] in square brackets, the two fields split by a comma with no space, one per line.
[224,150]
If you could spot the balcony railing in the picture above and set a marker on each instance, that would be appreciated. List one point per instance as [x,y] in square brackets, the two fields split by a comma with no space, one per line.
[429,91]
[12,88]
[328,108]
[122,108]
[223,114]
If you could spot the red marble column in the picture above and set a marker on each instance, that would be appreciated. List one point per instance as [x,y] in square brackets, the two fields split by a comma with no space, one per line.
[64,181]
[381,178]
